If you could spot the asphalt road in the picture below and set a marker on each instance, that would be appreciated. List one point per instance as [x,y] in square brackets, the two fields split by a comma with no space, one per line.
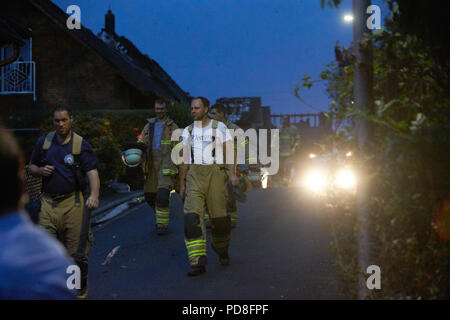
[279,250]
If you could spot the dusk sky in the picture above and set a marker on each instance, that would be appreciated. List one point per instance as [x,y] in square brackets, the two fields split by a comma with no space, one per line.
[232,48]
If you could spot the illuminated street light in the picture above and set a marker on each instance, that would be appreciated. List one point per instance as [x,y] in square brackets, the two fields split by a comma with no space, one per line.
[348,18]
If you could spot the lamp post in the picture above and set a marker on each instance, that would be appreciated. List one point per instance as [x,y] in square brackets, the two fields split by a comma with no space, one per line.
[363,97]
[362,91]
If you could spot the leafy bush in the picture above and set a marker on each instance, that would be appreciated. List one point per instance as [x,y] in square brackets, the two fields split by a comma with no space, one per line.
[97,132]
[105,130]
[407,167]
[126,125]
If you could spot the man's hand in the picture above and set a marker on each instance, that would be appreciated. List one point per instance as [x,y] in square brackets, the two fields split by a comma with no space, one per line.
[46,171]
[92,202]
[233,179]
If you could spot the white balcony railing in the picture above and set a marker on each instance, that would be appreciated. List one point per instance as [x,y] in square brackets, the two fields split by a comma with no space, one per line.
[18,78]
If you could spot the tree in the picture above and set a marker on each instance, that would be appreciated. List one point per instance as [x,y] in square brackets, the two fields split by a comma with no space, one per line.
[407,162]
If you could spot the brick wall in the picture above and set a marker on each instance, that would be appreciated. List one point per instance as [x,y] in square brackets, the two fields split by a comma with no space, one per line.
[68,72]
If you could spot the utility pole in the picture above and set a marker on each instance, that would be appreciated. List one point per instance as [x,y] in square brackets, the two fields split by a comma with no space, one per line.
[363,82]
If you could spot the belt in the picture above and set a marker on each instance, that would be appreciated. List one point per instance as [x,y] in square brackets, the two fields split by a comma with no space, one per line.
[59,196]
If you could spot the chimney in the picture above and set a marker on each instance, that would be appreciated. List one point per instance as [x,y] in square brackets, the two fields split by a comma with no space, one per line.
[109,22]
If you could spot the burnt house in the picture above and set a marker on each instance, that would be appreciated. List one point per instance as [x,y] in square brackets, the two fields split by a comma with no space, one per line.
[52,64]
[311,126]
[247,112]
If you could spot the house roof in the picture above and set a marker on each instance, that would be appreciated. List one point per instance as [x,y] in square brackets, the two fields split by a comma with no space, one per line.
[142,79]
[12,32]
[145,62]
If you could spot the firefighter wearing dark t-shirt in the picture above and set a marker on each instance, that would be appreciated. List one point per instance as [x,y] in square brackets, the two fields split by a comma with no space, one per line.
[63,159]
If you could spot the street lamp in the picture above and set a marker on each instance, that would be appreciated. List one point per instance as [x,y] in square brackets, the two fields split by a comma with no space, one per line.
[348,18]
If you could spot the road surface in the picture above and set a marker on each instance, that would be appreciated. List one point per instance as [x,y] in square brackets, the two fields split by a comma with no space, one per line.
[278,251]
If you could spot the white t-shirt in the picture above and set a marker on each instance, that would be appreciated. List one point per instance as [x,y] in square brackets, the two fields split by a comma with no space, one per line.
[202,142]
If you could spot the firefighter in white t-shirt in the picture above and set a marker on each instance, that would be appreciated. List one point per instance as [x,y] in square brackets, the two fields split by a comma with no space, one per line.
[203,183]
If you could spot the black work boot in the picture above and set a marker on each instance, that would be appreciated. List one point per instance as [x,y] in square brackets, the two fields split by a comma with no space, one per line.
[196,271]
[224,259]
[199,268]
[83,291]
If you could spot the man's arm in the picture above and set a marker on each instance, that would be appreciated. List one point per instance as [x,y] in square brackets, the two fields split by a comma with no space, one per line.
[182,171]
[45,171]
[229,145]
[35,161]
[144,135]
[35,170]
[184,165]
[94,183]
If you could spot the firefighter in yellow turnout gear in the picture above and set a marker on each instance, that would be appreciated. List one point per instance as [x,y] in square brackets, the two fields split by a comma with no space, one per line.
[289,141]
[203,183]
[218,113]
[159,170]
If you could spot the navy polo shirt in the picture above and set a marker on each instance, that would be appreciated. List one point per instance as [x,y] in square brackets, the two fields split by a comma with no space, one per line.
[62,179]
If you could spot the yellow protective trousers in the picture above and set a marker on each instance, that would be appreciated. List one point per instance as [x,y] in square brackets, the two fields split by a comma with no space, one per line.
[68,221]
[159,183]
[205,186]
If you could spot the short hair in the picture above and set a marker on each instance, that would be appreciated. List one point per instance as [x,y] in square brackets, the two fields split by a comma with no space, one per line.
[12,173]
[219,107]
[204,100]
[161,102]
[62,108]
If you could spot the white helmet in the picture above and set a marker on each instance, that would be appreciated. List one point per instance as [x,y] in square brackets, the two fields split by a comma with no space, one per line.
[132,157]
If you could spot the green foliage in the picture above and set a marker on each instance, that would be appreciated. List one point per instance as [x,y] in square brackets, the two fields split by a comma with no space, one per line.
[124,125]
[105,130]
[180,112]
[97,132]
[29,120]
[330,3]
[406,165]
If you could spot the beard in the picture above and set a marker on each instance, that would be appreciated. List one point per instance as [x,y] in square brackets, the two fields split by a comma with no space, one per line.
[160,115]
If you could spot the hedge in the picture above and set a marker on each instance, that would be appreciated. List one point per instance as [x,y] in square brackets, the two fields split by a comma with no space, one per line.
[105,130]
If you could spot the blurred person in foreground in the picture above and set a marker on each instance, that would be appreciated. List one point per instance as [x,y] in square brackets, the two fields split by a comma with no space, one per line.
[32,264]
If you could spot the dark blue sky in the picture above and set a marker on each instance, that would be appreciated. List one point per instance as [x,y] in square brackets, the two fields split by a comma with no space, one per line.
[229,48]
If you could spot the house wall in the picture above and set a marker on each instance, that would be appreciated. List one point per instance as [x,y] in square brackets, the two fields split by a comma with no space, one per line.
[67,71]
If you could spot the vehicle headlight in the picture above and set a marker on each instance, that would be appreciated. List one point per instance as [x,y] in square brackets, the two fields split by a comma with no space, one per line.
[264,178]
[315,180]
[346,179]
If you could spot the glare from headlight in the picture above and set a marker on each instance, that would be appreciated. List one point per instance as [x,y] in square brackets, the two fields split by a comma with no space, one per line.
[264,178]
[312,156]
[316,180]
[346,179]
[348,154]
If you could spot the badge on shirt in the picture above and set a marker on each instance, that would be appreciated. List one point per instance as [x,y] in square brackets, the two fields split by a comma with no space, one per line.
[68,159]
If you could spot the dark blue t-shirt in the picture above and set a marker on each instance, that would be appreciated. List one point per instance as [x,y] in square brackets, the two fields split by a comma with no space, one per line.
[62,180]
